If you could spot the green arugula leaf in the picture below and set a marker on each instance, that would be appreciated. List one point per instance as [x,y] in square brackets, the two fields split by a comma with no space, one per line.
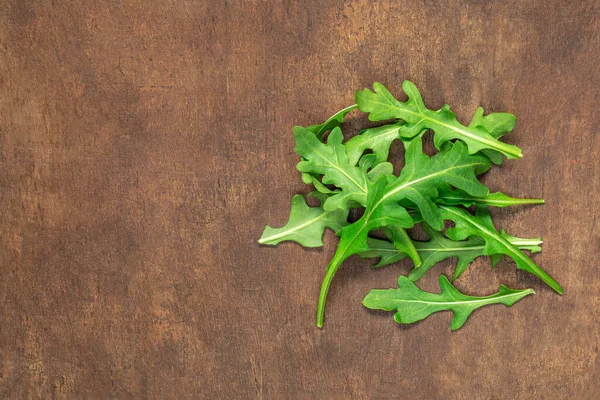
[481,225]
[306,225]
[420,179]
[451,197]
[330,160]
[418,182]
[412,304]
[439,248]
[381,105]
[319,130]
[496,124]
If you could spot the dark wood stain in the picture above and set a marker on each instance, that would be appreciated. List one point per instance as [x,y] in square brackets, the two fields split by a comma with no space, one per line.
[144,146]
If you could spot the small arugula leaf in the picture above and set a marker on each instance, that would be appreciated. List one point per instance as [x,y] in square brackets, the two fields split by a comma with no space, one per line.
[413,304]
[306,225]
[481,225]
[319,130]
[451,197]
[381,105]
[330,160]
[421,177]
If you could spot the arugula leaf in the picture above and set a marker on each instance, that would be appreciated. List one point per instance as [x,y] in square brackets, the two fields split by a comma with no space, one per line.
[418,182]
[451,197]
[412,304]
[306,225]
[481,225]
[496,124]
[381,105]
[439,248]
[319,130]
[330,159]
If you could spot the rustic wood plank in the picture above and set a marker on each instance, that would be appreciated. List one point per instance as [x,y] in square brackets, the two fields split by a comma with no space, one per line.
[144,145]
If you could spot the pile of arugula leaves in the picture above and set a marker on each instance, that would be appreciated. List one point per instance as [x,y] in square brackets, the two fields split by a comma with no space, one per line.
[428,191]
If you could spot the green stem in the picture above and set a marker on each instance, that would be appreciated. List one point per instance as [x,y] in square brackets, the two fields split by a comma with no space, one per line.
[528,201]
[332,268]
[451,200]
[525,242]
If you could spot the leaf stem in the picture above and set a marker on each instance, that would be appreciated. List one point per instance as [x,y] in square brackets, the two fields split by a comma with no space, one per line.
[519,242]
[332,268]
[527,201]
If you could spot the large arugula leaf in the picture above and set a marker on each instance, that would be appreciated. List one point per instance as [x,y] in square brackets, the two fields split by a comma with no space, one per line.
[306,224]
[452,197]
[381,105]
[481,225]
[413,304]
[418,182]
[439,248]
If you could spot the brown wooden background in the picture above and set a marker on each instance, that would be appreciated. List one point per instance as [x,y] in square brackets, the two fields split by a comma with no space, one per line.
[144,145]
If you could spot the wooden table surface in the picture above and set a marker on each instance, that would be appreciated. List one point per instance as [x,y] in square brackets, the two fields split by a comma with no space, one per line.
[145,144]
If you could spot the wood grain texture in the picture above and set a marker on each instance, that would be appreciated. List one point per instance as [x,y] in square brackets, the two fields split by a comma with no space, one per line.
[144,146]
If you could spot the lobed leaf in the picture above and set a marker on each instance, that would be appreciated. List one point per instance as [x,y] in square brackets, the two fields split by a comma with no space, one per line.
[306,225]
[381,105]
[496,124]
[330,160]
[439,248]
[481,225]
[413,304]
[319,130]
